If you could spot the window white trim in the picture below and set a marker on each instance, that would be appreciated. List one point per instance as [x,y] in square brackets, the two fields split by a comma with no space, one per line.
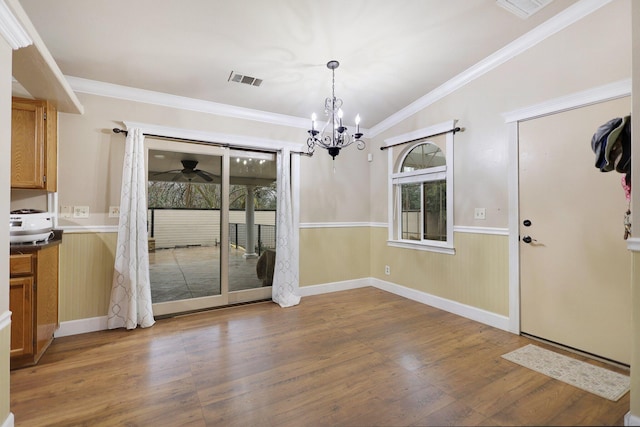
[239,141]
[421,177]
[431,246]
[404,175]
[421,133]
[409,177]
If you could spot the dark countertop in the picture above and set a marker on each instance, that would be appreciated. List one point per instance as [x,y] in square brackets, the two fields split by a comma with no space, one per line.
[17,248]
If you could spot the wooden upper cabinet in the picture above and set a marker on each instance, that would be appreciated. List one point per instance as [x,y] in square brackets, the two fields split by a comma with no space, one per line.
[34,151]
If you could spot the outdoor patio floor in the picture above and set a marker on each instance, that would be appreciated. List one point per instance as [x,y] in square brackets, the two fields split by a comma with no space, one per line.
[194,271]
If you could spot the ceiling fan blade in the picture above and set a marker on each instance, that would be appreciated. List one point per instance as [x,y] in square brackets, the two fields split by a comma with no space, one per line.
[164,172]
[204,175]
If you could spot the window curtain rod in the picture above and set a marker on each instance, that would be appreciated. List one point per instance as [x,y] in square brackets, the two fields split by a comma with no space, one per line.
[454,130]
[215,144]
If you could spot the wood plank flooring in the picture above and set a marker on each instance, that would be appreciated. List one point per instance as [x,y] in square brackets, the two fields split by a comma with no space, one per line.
[362,357]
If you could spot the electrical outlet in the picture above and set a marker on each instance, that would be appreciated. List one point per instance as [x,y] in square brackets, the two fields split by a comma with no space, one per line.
[387,270]
[480,213]
[81,211]
[114,211]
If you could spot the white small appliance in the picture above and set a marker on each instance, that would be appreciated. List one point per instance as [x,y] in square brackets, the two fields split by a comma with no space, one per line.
[29,226]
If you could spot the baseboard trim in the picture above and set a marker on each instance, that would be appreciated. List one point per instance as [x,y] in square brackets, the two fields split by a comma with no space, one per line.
[631,420]
[473,313]
[327,288]
[81,326]
[486,317]
[9,421]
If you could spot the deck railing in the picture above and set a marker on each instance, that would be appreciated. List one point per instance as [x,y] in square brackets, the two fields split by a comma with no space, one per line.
[172,228]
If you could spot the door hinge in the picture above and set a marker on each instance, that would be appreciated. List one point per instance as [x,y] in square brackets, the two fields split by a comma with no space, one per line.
[44,179]
[45,116]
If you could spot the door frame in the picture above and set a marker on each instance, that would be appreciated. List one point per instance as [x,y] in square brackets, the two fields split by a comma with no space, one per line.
[225,141]
[573,101]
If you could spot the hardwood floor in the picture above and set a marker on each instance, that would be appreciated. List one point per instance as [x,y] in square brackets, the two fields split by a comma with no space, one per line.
[362,357]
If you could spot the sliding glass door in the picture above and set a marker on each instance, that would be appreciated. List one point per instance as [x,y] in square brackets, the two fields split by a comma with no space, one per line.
[211,215]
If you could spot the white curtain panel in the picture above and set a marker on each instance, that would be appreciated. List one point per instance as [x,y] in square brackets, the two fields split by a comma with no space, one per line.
[285,276]
[130,304]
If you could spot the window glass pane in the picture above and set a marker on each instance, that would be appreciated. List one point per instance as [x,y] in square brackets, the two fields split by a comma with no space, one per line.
[423,156]
[435,210]
[411,211]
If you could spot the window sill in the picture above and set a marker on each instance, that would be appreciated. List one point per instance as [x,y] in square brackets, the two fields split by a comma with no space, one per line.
[421,246]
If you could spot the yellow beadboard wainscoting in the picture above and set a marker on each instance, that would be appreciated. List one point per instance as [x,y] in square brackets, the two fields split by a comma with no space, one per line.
[5,343]
[333,254]
[477,275]
[86,273]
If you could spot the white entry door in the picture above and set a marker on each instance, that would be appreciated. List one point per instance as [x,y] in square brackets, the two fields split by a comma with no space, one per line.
[575,274]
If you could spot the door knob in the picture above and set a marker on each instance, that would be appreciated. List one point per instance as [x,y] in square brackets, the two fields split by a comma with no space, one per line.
[528,239]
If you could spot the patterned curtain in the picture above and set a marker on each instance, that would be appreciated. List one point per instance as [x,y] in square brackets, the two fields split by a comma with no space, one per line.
[285,277]
[130,304]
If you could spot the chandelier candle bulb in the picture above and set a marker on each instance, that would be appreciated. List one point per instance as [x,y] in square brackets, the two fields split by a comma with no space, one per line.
[313,121]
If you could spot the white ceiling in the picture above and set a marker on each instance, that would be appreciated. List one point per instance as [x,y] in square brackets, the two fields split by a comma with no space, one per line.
[391,52]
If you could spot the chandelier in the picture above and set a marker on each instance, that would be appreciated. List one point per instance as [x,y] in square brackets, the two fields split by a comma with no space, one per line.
[334,136]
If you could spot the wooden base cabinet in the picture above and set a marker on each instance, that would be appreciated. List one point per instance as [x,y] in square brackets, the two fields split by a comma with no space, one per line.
[20,303]
[33,301]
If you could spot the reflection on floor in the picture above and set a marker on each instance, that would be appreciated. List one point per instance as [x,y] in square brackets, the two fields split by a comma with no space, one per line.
[192,272]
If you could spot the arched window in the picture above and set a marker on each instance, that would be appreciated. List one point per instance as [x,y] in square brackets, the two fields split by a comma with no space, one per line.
[422,195]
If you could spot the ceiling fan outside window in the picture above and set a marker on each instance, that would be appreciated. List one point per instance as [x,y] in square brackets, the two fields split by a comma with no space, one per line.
[188,173]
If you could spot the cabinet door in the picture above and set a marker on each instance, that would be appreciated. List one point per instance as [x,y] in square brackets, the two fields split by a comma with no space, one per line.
[20,304]
[27,145]
[34,152]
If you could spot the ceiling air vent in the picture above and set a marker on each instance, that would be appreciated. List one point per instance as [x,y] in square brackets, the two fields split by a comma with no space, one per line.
[248,80]
[523,8]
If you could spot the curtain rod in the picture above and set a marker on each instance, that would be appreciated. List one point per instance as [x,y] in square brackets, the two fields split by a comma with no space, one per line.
[117,130]
[454,130]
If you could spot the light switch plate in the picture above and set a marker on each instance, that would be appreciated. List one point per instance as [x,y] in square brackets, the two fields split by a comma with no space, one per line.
[66,211]
[81,211]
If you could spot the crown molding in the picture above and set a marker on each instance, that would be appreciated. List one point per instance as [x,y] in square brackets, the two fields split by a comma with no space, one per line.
[595,95]
[111,90]
[572,14]
[11,29]
[562,20]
